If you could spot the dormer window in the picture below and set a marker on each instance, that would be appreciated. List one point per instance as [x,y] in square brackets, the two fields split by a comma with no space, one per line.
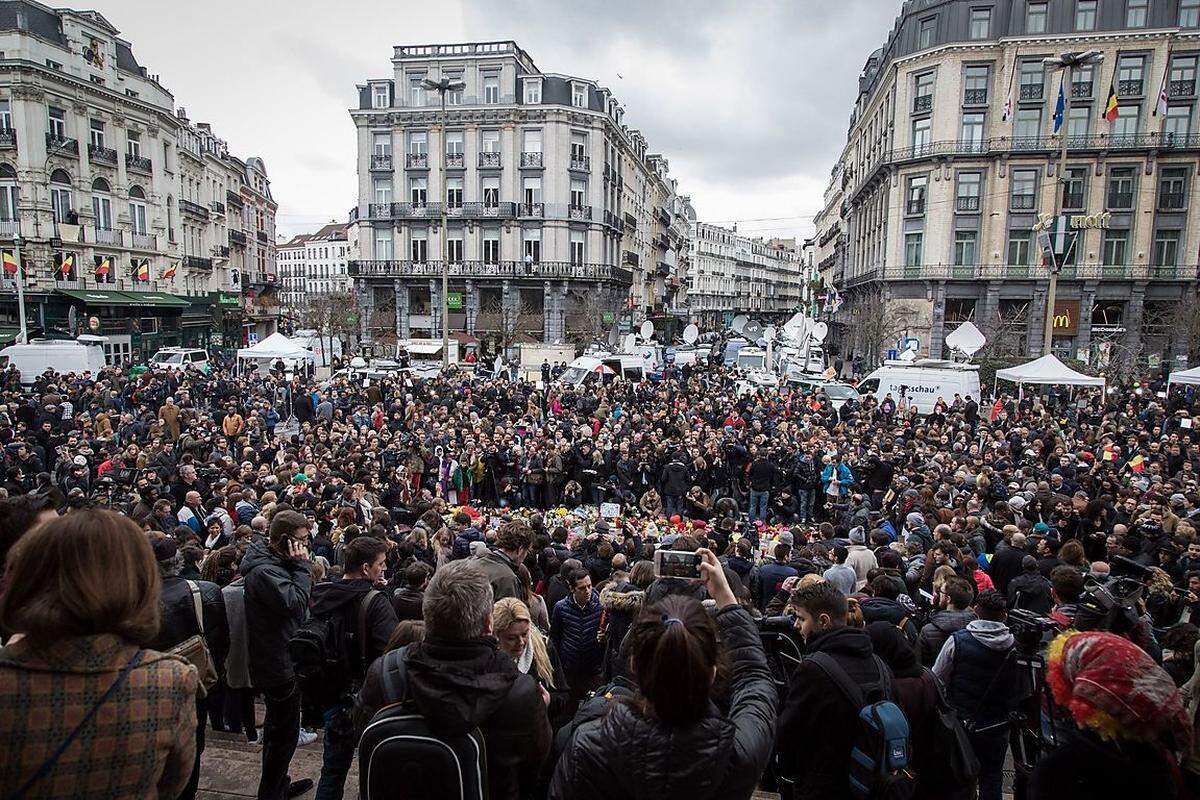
[533,91]
[579,95]
[380,96]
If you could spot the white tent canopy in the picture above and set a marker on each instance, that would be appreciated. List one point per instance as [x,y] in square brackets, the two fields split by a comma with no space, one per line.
[1047,370]
[275,347]
[1188,376]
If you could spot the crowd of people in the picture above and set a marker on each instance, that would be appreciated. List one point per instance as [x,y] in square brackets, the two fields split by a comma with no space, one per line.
[473,559]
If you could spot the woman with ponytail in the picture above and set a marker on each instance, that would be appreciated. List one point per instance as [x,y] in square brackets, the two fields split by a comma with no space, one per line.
[671,741]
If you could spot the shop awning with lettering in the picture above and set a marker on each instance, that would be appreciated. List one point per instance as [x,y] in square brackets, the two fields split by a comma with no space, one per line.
[97,297]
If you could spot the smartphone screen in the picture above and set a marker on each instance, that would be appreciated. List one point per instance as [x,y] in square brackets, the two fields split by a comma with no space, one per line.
[677,564]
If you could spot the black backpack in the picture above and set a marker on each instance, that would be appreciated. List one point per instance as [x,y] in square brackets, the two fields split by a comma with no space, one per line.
[328,658]
[879,758]
[398,743]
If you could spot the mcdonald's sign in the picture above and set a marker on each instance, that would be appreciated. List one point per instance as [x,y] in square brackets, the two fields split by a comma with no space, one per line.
[1066,317]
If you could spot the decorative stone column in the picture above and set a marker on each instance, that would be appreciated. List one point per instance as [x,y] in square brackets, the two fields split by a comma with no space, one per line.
[471,306]
[937,324]
[1134,312]
[435,308]
[1083,327]
[1035,323]
[403,329]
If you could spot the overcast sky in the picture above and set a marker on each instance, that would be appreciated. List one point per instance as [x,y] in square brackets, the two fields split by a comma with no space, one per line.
[748,101]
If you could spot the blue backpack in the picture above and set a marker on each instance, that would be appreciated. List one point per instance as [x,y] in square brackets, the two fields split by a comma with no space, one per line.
[879,759]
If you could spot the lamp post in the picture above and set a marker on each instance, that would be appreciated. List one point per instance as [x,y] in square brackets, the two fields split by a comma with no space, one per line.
[441,87]
[1065,62]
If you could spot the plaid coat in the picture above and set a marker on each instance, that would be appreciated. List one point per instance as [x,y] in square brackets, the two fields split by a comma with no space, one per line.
[139,745]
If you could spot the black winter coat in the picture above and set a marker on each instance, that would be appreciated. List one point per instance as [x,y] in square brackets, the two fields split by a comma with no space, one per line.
[629,755]
[345,597]
[277,592]
[179,618]
[1030,591]
[817,723]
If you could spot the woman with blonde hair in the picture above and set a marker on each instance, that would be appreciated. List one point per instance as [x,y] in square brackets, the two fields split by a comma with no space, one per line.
[535,655]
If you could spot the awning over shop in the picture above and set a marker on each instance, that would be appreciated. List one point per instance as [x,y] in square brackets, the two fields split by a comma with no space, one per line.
[95,297]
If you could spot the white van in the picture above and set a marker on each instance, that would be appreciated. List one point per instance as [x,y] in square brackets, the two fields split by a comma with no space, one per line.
[602,368]
[922,381]
[86,354]
[180,358]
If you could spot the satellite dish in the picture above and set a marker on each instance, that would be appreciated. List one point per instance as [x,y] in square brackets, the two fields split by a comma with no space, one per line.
[690,334]
[769,333]
[738,324]
[629,343]
[752,331]
[819,332]
[358,362]
[647,330]
[908,355]
[966,339]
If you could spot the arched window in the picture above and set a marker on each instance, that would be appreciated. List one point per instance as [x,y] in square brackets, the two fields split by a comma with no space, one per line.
[8,193]
[102,205]
[60,196]
[137,210]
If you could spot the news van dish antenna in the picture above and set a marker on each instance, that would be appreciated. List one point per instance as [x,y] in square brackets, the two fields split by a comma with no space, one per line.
[819,332]
[690,334]
[647,330]
[966,339]
[738,324]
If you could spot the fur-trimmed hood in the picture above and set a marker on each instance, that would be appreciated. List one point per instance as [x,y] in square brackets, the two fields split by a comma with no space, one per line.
[616,600]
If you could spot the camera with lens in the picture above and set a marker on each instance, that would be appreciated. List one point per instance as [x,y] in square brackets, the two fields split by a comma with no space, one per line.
[1028,629]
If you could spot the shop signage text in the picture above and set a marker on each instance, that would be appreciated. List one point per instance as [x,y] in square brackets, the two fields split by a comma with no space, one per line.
[1075,221]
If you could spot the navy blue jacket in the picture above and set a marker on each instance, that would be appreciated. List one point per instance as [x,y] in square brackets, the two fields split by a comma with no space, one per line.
[573,631]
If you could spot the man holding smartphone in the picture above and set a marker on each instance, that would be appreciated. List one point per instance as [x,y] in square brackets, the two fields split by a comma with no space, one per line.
[278,580]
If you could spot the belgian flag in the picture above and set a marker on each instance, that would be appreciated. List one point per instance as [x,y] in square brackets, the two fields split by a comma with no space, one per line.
[1111,106]
[10,262]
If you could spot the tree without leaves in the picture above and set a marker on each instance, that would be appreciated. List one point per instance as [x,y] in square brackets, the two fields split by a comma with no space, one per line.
[875,322]
[527,320]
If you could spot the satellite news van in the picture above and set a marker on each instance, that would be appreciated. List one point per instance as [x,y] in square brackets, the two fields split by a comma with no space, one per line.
[922,381]
[85,354]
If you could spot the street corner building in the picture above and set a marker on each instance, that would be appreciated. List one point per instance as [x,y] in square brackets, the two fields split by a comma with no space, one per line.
[559,223]
[951,169]
[120,216]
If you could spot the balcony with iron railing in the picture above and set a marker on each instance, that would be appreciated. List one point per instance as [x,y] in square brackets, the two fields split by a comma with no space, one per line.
[489,160]
[61,145]
[1181,88]
[975,97]
[1120,201]
[97,154]
[1030,272]
[1022,202]
[234,200]
[195,209]
[913,208]
[1081,89]
[967,203]
[630,220]
[1130,88]
[381,161]
[1170,201]
[138,164]
[580,163]
[198,262]
[237,239]
[144,241]
[579,213]
[107,236]
[922,103]
[1072,201]
[416,160]
[542,270]
[261,236]
[537,210]
[220,251]
[217,208]
[531,160]
[1031,91]
[9,229]
[8,139]
[455,161]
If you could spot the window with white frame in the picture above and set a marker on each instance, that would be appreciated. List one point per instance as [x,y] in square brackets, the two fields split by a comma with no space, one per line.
[9,193]
[416,89]
[577,251]
[532,191]
[1035,17]
[380,96]
[1189,13]
[1135,13]
[418,143]
[578,193]
[490,187]
[454,143]
[454,192]
[491,88]
[454,97]
[60,196]
[383,191]
[454,246]
[383,244]
[5,115]
[925,32]
[58,123]
[419,246]
[96,133]
[137,211]
[1085,15]
[381,144]
[489,141]
[532,91]
[531,240]
[1079,120]
[418,189]
[491,246]
[133,143]
[531,140]
[578,145]
[1126,123]
[981,23]
[1178,122]
[579,95]
[101,205]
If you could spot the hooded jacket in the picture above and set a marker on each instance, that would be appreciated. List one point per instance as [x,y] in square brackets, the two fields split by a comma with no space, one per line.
[458,686]
[620,604]
[344,597]
[980,679]
[627,754]
[675,479]
[501,572]
[277,592]
[1030,591]
[817,723]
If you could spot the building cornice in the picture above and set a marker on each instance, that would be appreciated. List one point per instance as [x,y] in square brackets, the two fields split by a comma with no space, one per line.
[25,68]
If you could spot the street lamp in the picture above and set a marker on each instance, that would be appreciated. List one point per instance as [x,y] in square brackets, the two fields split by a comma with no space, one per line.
[441,87]
[1064,62]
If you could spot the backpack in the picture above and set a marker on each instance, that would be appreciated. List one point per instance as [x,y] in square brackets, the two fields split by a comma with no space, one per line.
[326,657]
[398,743]
[880,754]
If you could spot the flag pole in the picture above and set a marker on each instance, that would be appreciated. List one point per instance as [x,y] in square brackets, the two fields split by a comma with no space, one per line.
[20,279]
